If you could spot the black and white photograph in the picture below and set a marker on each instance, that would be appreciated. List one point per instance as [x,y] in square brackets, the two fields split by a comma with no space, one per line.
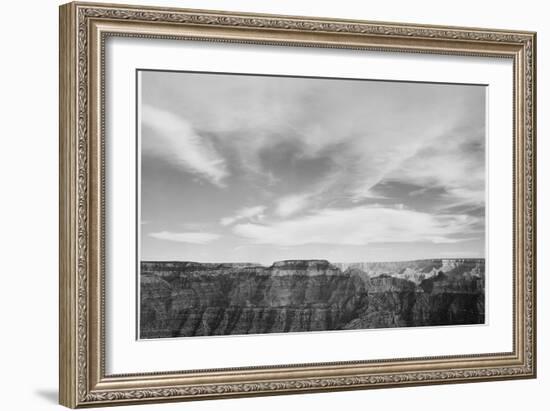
[282,204]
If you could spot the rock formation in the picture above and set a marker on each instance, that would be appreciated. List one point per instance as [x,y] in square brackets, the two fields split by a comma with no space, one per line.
[183,299]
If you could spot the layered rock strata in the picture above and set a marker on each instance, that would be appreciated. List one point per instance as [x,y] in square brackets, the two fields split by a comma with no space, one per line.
[184,299]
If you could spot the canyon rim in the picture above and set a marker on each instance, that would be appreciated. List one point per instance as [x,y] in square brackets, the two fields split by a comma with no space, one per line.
[186,299]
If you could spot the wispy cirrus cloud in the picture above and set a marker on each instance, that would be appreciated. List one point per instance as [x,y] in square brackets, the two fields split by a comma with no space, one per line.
[187,237]
[255,213]
[373,130]
[454,161]
[181,144]
[292,204]
[360,226]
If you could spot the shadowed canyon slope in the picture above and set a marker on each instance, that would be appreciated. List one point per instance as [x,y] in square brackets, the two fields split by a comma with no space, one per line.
[183,299]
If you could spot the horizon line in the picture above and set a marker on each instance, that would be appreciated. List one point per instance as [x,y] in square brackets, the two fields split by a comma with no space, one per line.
[311,259]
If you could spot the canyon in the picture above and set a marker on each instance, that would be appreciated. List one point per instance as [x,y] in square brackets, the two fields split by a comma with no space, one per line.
[185,299]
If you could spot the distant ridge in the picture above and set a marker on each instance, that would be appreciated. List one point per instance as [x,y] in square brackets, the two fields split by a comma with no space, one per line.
[321,261]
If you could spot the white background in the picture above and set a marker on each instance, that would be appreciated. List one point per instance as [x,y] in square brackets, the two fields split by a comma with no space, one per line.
[28,225]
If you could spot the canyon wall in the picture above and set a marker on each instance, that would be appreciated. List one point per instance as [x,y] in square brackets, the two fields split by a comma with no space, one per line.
[183,299]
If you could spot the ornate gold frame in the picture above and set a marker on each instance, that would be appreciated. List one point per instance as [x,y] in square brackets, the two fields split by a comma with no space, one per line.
[83,30]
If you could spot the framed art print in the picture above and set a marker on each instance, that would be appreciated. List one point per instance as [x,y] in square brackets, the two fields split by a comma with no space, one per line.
[259,204]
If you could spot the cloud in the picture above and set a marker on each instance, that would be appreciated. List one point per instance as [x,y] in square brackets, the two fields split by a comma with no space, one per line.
[198,226]
[190,237]
[179,142]
[360,226]
[454,161]
[244,213]
[291,204]
[374,125]
[371,130]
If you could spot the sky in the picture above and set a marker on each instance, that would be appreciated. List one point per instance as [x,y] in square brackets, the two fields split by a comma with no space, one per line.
[248,168]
